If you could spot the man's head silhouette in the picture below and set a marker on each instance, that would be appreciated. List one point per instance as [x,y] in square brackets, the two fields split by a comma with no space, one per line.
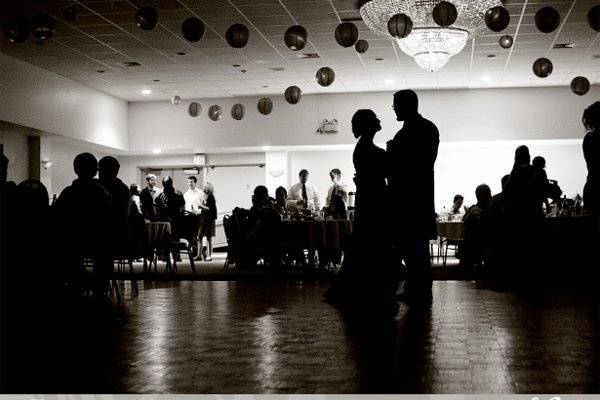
[522,156]
[108,168]
[85,166]
[406,104]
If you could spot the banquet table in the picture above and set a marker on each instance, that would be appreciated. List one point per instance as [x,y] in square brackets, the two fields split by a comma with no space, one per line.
[314,234]
[451,230]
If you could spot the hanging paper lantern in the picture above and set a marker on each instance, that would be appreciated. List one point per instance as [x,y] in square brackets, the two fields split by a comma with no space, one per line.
[194,109]
[547,19]
[16,28]
[346,34]
[237,36]
[325,76]
[70,13]
[238,111]
[360,3]
[497,18]
[444,14]
[400,26]
[295,37]
[265,106]
[293,94]
[193,29]
[146,18]
[42,26]
[593,18]
[580,85]
[361,46]
[215,112]
[506,41]
[175,100]
[542,67]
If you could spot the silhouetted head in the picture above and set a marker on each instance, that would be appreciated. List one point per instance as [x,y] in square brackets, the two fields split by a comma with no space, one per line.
[260,196]
[483,194]
[539,162]
[281,196]
[85,166]
[192,181]
[167,183]
[591,117]
[406,104]
[335,174]
[108,168]
[3,169]
[504,182]
[522,156]
[134,189]
[365,123]
[457,202]
[303,175]
[151,180]
[32,196]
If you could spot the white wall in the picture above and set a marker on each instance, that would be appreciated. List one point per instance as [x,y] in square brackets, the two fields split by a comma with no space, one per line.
[16,149]
[461,115]
[39,99]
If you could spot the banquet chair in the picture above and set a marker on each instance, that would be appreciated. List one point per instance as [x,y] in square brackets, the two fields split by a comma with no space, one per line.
[89,265]
[184,239]
[447,242]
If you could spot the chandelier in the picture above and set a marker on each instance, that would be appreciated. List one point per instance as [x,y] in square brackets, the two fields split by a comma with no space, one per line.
[429,44]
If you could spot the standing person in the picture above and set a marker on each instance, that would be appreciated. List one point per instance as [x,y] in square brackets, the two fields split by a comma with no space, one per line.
[411,155]
[208,217]
[194,196]
[148,198]
[305,192]
[134,193]
[591,153]
[338,188]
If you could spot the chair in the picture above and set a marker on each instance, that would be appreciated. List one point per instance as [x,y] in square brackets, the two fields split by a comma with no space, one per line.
[185,236]
[445,243]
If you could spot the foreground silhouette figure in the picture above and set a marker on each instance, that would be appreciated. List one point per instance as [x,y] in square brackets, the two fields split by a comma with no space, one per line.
[411,156]
[591,153]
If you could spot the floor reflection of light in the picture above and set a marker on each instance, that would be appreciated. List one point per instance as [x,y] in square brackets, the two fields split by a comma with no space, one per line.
[266,332]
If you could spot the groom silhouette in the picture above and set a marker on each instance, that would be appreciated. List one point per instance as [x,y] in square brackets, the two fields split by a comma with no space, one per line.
[411,158]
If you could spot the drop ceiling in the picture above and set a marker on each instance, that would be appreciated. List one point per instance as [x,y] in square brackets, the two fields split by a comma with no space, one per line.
[105,37]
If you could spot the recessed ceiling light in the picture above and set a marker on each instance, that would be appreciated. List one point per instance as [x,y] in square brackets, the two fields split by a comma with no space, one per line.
[236,65]
[156,80]
[157,151]
[278,69]
[146,91]
[265,86]
[181,53]
[100,71]
[491,55]
[261,61]
[379,59]
[485,78]
[389,81]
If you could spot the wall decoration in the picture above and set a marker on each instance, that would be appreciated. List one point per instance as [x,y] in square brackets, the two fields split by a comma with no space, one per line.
[295,37]
[265,106]
[444,13]
[506,41]
[346,34]
[146,18]
[193,29]
[325,76]
[580,85]
[293,94]
[194,109]
[593,18]
[542,67]
[42,26]
[547,19]
[238,111]
[215,112]
[16,28]
[175,100]
[497,18]
[400,26]
[361,46]
[237,36]
[328,127]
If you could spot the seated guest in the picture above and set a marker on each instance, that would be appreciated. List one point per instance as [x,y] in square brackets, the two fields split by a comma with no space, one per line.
[477,222]
[108,169]
[498,204]
[148,198]
[263,220]
[281,200]
[455,211]
[338,188]
[134,193]
[305,192]
[525,188]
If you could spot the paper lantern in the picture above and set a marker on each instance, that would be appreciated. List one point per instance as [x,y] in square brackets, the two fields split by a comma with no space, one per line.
[146,18]
[16,28]
[580,85]
[237,36]
[175,100]
[70,13]
[497,18]
[593,18]
[295,37]
[325,76]
[42,26]
[346,34]
[238,111]
[215,112]
[444,13]
[400,26]
[293,94]
[542,67]
[265,106]
[361,46]
[506,41]
[193,29]
[360,3]
[547,19]
[194,109]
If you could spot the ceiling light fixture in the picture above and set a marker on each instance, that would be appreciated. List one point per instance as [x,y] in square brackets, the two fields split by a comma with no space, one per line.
[181,53]
[157,151]
[429,44]
[389,81]
[146,91]
[485,78]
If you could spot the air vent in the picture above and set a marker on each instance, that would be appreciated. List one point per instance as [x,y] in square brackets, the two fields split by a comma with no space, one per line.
[131,64]
[310,55]
[596,56]
[278,69]
[563,46]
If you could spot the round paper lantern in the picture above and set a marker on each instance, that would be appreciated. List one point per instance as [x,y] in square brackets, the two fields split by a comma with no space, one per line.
[265,106]
[542,67]
[444,13]
[70,13]
[175,100]
[325,76]
[194,109]
[361,46]
[497,18]
[295,37]
[360,3]
[42,26]
[238,111]
[237,36]
[146,18]
[547,19]
[215,112]
[193,29]
[580,85]
[16,28]
[400,26]
[506,41]
[346,34]
[593,18]
[293,94]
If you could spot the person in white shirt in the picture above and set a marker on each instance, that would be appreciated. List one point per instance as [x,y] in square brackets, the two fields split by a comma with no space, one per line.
[456,211]
[338,188]
[194,197]
[305,192]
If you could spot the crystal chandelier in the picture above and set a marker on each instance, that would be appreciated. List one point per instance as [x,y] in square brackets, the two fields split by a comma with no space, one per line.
[429,44]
